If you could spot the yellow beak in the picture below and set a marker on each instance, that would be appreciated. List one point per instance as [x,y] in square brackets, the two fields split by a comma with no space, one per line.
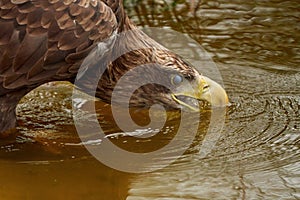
[203,89]
[214,94]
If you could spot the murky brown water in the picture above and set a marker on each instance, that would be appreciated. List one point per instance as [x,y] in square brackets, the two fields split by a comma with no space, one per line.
[255,44]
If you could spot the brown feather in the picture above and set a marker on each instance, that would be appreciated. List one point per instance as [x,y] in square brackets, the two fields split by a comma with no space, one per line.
[69,41]
[26,57]
[36,69]
[7,29]
[9,52]
[19,1]
[54,32]
[21,19]
[46,19]
[6,4]
[74,10]
[12,82]
[27,7]
[53,57]
[34,19]
[68,2]
[60,6]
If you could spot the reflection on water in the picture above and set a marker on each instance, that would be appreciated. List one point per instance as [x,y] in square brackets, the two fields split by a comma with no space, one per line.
[256,47]
[260,33]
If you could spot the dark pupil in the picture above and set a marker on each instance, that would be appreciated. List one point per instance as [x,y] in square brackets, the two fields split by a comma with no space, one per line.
[177,79]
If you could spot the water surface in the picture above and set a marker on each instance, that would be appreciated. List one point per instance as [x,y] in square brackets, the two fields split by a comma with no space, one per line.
[255,45]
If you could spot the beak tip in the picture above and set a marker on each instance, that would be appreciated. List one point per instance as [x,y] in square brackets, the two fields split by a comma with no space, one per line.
[216,96]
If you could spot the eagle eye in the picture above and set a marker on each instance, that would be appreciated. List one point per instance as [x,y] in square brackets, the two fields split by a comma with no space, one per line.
[177,79]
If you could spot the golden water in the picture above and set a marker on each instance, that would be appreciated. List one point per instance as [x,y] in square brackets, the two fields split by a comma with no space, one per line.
[255,45]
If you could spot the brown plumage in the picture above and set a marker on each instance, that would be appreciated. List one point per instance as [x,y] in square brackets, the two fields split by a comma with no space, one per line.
[47,40]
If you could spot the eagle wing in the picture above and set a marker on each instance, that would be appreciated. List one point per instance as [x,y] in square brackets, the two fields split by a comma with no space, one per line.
[46,40]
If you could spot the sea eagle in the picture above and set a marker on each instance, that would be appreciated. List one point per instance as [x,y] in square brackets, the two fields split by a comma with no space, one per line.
[48,40]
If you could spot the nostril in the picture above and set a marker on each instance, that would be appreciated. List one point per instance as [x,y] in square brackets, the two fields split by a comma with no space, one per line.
[206,87]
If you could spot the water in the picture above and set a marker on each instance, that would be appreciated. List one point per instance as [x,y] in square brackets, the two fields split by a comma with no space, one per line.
[256,48]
